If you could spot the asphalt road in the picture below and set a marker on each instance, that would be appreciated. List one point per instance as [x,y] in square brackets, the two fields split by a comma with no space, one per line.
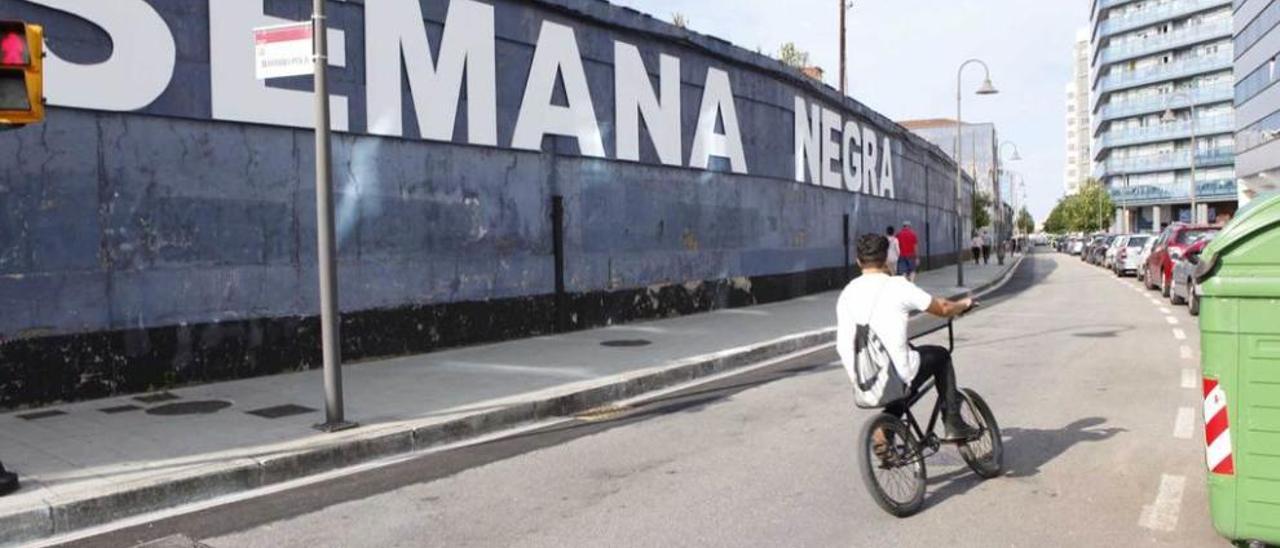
[1103,447]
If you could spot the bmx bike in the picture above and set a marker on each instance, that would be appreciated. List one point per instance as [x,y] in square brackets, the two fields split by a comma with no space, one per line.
[893,449]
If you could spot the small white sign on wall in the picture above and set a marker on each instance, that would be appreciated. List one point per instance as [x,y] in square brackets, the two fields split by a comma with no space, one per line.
[283,50]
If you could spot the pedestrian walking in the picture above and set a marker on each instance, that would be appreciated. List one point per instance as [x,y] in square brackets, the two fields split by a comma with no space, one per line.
[986,248]
[975,247]
[907,244]
[895,251]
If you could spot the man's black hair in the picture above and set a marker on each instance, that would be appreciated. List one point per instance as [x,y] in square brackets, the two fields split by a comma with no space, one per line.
[889,231]
[873,250]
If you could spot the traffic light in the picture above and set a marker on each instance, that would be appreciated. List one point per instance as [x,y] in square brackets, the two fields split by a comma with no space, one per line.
[21,73]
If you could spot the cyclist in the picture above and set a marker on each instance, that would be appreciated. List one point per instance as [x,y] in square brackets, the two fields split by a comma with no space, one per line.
[885,303]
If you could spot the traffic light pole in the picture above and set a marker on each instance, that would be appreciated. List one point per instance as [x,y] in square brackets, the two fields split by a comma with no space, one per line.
[330,342]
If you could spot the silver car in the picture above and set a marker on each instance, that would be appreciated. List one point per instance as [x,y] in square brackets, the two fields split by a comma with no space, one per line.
[1131,254]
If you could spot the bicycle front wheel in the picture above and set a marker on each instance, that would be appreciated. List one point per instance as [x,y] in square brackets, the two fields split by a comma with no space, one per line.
[984,455]
[892,465]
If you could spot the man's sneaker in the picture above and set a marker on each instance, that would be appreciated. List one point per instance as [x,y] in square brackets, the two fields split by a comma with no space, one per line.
[960,431]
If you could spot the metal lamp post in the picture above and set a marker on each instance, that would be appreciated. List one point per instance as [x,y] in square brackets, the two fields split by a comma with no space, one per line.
[845,6]
[1169,118]
[985,89]
[999,218]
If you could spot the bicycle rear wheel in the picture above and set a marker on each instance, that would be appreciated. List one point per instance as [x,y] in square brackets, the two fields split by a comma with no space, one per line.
[892,465]
[984,455]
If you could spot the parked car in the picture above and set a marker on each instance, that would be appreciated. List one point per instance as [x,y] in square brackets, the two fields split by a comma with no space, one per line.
[1169,247]
[1109,256]
[1183,288]
[1099,249]
[1129,253]
[1076,246]
[1139,269]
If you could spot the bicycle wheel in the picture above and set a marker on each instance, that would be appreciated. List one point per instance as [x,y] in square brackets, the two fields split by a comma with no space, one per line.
[895,475]
[984,455]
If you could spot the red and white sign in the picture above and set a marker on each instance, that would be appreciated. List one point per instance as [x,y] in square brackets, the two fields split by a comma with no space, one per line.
[283,50]
[1217,434]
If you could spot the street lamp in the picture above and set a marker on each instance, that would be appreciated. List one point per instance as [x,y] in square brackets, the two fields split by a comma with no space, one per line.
[1169,118]
[845,6]
[999,205]
[985,89]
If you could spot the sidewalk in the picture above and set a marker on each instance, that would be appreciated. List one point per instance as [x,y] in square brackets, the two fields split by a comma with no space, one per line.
[94,462]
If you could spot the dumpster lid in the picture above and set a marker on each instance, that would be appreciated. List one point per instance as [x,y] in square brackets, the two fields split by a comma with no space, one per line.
[1256,217]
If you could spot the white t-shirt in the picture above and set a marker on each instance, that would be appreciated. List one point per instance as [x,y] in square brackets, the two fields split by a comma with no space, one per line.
[894,299]
[895,251]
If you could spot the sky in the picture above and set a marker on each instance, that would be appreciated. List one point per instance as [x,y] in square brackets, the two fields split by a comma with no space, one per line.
[903,56]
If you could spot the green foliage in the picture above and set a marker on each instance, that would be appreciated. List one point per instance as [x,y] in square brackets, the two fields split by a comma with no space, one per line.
[981,210]
[1025,223]
[793,56]
[1089,210]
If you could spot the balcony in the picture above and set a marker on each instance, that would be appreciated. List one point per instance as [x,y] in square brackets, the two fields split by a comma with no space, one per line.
[1104,4]
[1116,25]
[1164,162]
[1181,68]
[1164,132]
[1138,195]
[1157,103]
[1184,37]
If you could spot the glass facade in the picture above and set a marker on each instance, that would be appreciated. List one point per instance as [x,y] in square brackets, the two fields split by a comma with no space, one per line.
[1163,77]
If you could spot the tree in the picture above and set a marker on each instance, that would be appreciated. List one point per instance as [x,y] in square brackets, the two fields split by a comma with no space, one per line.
[1025,223]
[1056,223]
[981,210]
[793,56]
[1088,210]
[679,20]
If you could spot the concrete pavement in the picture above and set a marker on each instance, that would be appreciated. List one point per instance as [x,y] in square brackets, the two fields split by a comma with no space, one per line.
[95,462]
[1083,371]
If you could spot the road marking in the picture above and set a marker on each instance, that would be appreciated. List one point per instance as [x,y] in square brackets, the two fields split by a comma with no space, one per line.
[1185,424]
[1185,351]
[1162,515]
[1172,320]
[1189,378]
[1164,310]
[1180,334]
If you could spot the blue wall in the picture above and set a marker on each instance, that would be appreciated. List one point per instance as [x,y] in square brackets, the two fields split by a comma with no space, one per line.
[165,217]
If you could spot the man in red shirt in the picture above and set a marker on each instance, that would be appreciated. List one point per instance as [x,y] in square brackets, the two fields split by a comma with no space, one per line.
[907,261]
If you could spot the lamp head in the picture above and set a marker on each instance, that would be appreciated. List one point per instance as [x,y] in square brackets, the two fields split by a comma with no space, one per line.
[1015,156]
[987,88]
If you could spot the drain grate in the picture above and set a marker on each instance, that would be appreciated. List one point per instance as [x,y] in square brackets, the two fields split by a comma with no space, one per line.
[626,343]
[204,407]
[41,415]
[275,412]
[119,409]
[603,413]
[156,398]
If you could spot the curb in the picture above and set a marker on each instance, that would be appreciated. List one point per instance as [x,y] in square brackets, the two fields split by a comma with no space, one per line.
[63,514]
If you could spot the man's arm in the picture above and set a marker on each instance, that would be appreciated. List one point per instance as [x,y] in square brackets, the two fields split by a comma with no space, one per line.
[944,308]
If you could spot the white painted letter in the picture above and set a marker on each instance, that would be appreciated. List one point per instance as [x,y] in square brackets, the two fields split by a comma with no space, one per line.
[851,154]
[886,169]
[717,96]
[557,52]
[869,185]
[136,73]
[830,149]
[808,131]
[635,97]
[240,97]
[394,28]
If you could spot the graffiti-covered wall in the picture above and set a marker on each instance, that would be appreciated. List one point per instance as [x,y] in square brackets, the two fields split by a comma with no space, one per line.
[159,227]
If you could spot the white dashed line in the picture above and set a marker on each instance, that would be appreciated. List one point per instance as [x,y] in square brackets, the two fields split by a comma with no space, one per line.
[1180,334]
[1189,378]
[1162,515]
[1172,320]
[1184,426]
[1185,351]
[1164,310]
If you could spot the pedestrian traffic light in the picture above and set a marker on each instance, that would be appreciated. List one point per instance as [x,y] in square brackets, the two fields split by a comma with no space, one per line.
[21,73]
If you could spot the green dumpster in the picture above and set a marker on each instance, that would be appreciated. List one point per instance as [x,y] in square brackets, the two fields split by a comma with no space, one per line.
[1239,275]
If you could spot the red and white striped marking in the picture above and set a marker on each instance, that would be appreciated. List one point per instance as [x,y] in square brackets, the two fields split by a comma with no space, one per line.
[1217,434]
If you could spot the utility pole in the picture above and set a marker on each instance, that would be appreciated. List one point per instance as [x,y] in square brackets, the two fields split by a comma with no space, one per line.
[844,77]
[330,341]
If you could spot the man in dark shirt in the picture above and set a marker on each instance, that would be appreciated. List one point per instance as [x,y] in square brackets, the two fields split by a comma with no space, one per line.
[907,261]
